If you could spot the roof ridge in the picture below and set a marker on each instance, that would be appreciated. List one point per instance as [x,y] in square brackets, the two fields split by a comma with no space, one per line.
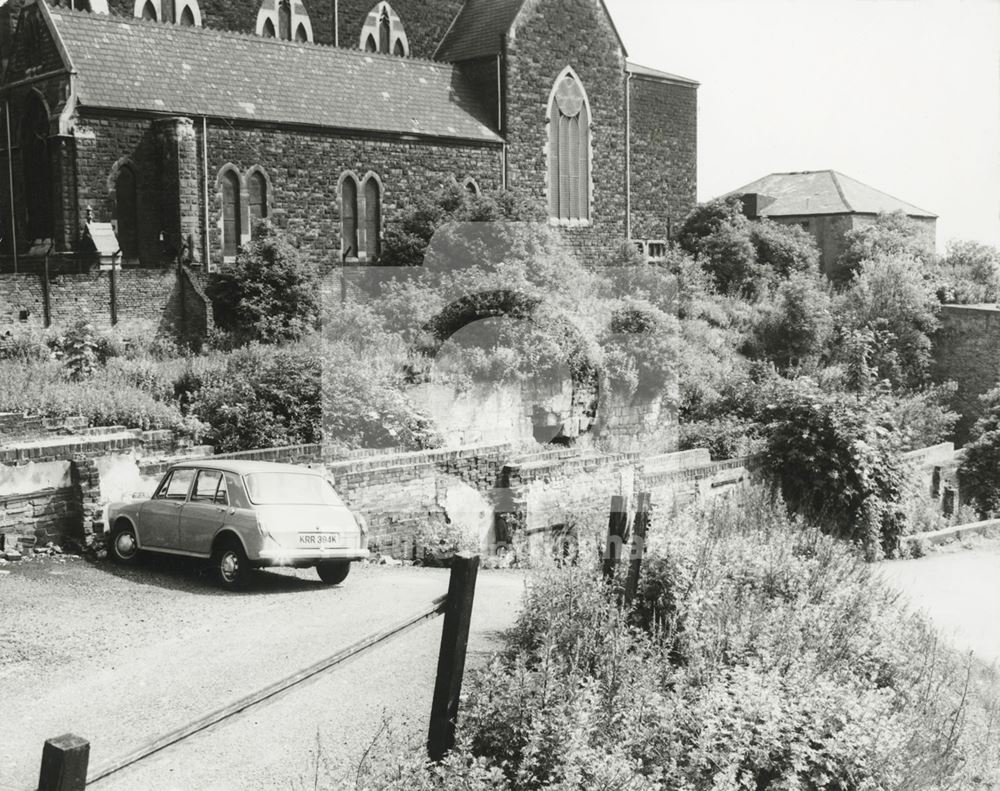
[109,18]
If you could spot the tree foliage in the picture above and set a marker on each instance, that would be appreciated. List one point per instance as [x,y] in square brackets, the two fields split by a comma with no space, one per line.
[891,235]
[269,295]
[795,330]
[968,274]
[980,470]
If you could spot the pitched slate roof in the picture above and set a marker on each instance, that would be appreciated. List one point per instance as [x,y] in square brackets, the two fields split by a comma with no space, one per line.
[656,74]
[823,192]
[132,64]
[478,30]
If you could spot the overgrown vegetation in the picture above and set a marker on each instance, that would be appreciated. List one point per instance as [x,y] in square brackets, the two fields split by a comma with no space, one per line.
[761,654]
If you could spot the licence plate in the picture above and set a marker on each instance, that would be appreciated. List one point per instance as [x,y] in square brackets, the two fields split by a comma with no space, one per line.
[318,539]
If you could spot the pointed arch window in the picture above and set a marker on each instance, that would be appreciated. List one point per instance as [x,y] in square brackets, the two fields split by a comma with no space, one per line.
[373,218]
[35,169]
[257,205]
[569,183]
[383,32]
[149,11]
[231,214]
[187,17]
[349,218]
[127,213]
[284,19]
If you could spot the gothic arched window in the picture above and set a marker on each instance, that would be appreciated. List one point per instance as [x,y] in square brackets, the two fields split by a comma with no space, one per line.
[149,11]
[231,215]
[268,31]
[35,169]
[373,218]
[127,213]
[257,187]
[187,17]
[284,19]
[300,34]
[349,218]
[569,151]
[383,32]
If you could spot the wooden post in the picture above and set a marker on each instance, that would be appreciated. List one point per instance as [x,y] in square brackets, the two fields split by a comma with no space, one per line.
[639,529]
[451,660]
[64,764]
[617,529]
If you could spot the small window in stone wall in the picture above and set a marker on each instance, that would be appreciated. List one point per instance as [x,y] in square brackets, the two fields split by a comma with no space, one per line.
[257,187]
[383,32]
[373,219]
[349,218]
[231,214]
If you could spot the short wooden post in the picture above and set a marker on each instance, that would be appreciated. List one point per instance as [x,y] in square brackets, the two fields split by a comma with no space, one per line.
[617,528]
[639,530]
[64,764]
[451,659]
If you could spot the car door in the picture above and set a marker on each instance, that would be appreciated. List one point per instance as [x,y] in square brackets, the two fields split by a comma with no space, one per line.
[204,513]
[159,517]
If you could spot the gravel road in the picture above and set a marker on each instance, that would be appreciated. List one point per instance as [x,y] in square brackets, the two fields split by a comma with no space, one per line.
[121,656]
[959,589]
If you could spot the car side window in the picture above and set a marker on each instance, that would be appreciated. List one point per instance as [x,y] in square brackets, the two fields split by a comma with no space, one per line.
[206,487]
[236,496]
[176,486]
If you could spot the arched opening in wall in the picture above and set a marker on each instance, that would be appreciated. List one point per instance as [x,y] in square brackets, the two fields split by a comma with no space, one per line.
[300,34]
[349,218]
[187,17]
[149,11]
[373,219]
[268,31]
[285,20]
[569,151]
[257,187]
[127,213]
[384,32]
[35,169]
[371,45]
[398,50]
[471,187]
[231,218]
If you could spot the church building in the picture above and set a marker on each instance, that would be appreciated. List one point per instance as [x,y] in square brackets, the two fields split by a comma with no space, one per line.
[178,123]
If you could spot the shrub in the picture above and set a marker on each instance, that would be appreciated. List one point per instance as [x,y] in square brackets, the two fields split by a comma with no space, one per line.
[77,349]
[269,295]
[784,249]
[980,469]
[797,330]
[968,274]
[836,460]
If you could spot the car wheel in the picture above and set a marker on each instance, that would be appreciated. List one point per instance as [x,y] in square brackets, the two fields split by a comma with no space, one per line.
[333,573]
[231,565]
[123,546]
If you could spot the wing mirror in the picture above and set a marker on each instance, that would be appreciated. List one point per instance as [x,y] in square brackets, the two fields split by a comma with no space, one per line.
[139,496]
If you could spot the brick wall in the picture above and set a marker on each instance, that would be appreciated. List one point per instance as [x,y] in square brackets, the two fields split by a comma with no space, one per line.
[21,293]
[550,37]
[966,352]
[664,155]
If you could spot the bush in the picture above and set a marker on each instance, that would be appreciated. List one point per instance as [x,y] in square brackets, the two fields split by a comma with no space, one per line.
[761,655]
[980,469]
[836,460]
[969,274]
[797,330]
[269,295]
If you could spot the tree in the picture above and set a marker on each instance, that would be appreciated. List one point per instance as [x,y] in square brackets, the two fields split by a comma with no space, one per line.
[269,295]
[891,235]
[784,249]
[894,308]
[797,329]
[980,469]
[968,274]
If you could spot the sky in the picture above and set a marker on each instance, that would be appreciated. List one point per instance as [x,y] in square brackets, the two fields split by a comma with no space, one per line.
[903,95]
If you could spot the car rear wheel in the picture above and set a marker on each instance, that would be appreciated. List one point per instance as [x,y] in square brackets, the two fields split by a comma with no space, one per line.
[231,565]
[123,546]
[333,573]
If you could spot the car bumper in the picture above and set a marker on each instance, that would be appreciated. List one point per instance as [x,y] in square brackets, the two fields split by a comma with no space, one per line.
[308,557]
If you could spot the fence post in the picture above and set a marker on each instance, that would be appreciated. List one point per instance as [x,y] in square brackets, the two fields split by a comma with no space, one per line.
[639,529]
[451,659]
[617,528]
[64,764]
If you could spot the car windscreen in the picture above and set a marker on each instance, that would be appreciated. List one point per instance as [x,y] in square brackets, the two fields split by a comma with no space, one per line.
[289,488]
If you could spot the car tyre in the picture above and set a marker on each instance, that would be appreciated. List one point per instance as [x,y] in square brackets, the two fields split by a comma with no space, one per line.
[333,573]
[230,565]
[123,546]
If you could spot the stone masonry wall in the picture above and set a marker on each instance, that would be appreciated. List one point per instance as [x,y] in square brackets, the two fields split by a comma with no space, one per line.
[587,42]
[664,156]
[967,351]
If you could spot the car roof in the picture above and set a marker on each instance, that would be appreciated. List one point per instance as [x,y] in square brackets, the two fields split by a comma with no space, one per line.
[245,467]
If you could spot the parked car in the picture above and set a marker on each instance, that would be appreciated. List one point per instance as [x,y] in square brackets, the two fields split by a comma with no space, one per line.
[242,515]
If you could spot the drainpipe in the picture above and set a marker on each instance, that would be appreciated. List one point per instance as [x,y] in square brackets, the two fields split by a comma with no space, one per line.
[628,155]
[501,120]
[204,161]
[10,185]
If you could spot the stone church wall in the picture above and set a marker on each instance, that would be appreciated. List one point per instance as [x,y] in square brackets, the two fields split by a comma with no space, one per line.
[534,65]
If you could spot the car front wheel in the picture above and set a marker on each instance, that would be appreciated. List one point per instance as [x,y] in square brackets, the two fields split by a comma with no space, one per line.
[231,565]
[333,573]
[123,546]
